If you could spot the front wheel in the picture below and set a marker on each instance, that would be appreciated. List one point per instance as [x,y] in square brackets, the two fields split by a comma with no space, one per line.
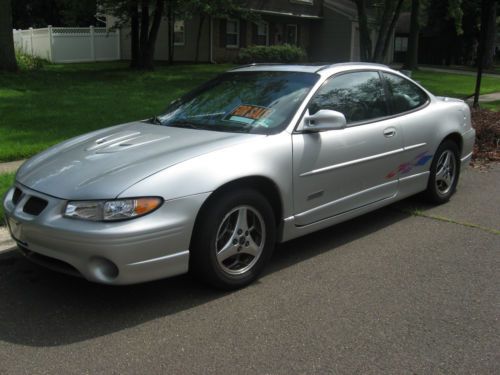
[445,171]
[233,239]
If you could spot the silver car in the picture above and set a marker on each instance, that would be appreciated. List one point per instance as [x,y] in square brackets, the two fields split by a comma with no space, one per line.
[259,155]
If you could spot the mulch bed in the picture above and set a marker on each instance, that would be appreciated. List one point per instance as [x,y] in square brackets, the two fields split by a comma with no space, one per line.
[487,146]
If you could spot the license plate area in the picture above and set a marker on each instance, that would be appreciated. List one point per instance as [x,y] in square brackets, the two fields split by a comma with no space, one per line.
[15,229]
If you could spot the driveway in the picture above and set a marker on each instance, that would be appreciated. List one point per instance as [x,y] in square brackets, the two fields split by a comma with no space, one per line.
[408,289]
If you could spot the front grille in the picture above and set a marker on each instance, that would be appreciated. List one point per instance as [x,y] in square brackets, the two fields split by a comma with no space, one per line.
[34,206]
[51,263]
[16,197]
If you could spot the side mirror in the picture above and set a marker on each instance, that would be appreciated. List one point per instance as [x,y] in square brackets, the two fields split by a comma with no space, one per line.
[324,119]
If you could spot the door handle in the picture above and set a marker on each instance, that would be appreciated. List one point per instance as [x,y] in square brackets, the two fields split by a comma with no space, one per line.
[389,132]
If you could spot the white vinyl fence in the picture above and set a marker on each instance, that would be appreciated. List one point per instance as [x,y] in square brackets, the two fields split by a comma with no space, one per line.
[70,44]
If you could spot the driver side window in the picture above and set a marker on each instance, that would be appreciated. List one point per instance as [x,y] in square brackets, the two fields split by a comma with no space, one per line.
[359,96]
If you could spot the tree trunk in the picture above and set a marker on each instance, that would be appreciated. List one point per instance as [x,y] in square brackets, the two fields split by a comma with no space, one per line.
[390,31]
[198,38]
[171,20]
[383,30]
[7,54]
[149,51]
[134,34]
[143,38]
[411,62]
[489,43]
[486,6]
[365,43]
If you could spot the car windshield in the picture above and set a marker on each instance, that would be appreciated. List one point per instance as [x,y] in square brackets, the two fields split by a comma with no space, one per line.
[249,102]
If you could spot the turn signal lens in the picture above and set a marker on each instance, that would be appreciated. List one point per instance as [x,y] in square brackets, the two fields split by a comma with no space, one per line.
[145,205]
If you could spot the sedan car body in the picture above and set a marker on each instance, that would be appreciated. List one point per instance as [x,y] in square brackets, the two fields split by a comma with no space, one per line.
[259,155]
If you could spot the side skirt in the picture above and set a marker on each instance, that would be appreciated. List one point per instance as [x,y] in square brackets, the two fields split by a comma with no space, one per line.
[407,186]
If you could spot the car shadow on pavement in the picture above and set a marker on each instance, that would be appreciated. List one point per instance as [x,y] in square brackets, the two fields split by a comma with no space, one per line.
[43,308]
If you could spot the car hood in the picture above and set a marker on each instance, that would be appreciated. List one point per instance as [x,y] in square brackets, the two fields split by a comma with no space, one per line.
[102,164]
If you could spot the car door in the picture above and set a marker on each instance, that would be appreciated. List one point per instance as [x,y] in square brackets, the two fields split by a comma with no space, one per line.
[340,170]
[418,128]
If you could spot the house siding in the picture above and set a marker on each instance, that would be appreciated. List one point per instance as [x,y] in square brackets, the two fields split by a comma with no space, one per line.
[325,32]
[332,38]
[277,27]
[187,52]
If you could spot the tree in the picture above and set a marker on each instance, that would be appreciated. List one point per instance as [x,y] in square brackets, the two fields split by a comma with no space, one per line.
[386,26]
[489,42]
[411,62]
[144,17]
[487,7]
[7,54]
[365,43]
[64,13]
[215,8]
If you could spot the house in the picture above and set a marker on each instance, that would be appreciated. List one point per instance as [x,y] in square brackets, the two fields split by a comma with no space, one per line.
[326,29]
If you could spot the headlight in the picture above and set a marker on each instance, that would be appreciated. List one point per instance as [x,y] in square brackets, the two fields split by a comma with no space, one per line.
[116,209]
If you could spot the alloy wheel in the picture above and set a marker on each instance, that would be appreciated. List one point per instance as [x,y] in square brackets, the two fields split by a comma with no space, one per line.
[240,240]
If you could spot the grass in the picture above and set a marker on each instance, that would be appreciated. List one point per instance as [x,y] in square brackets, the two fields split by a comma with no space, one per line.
[455,85]
[43,107]
[493,106]
[40,108]
[6,181]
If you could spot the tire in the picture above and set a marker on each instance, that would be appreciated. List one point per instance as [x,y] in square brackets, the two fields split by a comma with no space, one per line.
[233,238]
[445,172]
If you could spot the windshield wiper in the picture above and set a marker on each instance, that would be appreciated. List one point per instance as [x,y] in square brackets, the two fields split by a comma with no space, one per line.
[155,120]
[184,124]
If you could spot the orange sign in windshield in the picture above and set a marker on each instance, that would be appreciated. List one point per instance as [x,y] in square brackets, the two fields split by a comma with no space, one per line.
[252,112]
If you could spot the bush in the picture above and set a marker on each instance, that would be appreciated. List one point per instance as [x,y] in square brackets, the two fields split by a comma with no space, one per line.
[285,53]
[29,62]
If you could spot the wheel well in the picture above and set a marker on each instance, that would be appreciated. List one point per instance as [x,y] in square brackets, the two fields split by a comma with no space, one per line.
[263,185]
[457,138]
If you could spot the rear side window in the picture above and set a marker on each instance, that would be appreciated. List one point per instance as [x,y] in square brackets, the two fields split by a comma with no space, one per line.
[359,96]
[404,95]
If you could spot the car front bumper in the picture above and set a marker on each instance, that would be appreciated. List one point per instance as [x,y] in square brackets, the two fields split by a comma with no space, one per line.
[151,247]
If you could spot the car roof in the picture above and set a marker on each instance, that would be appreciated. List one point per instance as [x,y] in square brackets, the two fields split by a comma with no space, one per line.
[320,68]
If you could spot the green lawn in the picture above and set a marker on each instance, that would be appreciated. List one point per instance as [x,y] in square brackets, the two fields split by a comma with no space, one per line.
[41,108]
[6,180]
[494,106]
[455,85]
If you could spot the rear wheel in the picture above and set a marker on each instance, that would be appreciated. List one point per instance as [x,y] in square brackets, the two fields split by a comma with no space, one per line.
[233,239]
[445,171]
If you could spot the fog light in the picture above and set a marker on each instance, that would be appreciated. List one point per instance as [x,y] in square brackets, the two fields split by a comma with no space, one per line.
[103,269]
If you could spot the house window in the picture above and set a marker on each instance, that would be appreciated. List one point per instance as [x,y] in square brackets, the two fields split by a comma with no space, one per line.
[291,34]
[179,33]
[400,44]
[262,37]
[233,33]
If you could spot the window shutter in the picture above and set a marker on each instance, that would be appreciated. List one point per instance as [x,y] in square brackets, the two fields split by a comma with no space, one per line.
[272,33]
[222,33]
[254,33]
[243,33]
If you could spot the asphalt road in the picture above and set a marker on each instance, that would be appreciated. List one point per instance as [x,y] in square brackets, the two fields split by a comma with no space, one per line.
[395,291]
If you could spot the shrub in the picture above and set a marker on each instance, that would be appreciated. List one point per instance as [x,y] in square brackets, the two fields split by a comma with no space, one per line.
[285,53]
[29,62]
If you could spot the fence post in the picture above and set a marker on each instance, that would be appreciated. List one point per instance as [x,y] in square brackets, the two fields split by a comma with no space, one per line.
[31,40]
[118,44]
[51,44]
[92,44]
